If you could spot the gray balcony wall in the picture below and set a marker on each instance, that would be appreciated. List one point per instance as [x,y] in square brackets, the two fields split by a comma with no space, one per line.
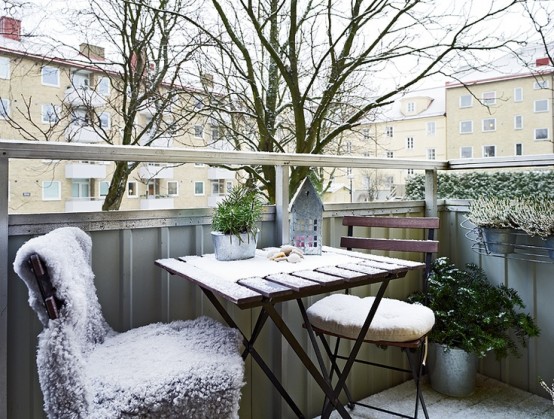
[134,292]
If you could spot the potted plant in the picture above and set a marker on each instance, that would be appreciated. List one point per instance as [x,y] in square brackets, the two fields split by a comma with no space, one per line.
[472,318]
[235,224]
[536,218]
[494,217]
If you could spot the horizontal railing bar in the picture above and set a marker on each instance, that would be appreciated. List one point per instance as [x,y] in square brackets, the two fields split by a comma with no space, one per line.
[71,151]
[499,162]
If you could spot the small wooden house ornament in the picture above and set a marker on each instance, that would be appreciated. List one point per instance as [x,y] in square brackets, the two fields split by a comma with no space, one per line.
[306,210]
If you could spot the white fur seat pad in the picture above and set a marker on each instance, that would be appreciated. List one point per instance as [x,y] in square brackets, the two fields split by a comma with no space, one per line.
[394,321]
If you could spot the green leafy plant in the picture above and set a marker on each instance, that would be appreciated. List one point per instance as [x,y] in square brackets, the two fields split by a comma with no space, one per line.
[472,314]
[239,212]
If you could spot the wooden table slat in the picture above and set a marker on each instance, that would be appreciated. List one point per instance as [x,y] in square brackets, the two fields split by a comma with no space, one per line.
[342,273]
[319,277]
[410,264]
[267,288]
[365,269]
[294,282]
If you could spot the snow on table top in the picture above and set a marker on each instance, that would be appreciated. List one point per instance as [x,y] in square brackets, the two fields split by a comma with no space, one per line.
[261,266]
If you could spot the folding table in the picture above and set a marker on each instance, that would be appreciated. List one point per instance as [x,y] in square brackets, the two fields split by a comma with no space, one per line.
[261,282]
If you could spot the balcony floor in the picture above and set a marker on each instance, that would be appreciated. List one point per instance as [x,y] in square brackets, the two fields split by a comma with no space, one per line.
[491,400]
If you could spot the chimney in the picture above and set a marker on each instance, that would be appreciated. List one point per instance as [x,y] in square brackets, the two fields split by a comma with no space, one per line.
[10,28]
[539,62]
[92,51]
[207,81]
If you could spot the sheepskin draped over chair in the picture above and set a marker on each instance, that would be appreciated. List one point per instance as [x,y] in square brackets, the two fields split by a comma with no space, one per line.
[183,369]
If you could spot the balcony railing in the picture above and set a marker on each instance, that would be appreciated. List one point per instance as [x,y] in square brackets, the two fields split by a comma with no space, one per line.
[133,292]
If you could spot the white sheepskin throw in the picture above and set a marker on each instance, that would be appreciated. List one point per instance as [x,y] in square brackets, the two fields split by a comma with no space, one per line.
[184,369]
[394,321]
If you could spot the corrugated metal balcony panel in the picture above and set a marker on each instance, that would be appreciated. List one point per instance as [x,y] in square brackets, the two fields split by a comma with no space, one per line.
[79,170]
[82,134]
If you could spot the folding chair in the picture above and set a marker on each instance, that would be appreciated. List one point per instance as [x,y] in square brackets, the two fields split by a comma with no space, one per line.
[396,323]
[183,369]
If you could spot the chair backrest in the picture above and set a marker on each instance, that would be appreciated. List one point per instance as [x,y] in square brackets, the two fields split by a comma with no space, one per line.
[47,290]
[428,245]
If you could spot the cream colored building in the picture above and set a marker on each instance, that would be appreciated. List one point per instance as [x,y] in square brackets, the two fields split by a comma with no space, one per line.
[56,94]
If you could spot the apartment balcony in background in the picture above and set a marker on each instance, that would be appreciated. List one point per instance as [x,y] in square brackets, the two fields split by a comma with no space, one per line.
[155,171]
[84,205]
[216,173]
[164,140]
[82,134]
[213,200]
[155,203]
[82,170]
[77,97]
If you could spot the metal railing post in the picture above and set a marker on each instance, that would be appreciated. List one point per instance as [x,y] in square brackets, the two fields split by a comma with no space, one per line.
[4,169]
[282,222]
[431,207]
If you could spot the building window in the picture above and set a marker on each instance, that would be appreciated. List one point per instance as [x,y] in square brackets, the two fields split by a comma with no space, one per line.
[489,124]
[541,134]
[466,152]
[410,142]
[540,84]
[103,188]
[132,189]
[365,133]
[431,154]
[198,131]
[199,164]
[390,154]
[466,101]
[104,120]
[103,86]
[519,149]
[466,127]
[431,128]
[50,114]
[518,94]
[80,188]
[541,105]
[50,76]
[489,151]
[4,68]
[199,188]
[489,98]
[389,132]
[216,134]
[172,188]
[51,190]
[411,107]
[410,172]
[518,122]
[4,108]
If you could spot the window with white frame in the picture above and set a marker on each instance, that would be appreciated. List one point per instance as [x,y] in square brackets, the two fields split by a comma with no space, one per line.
[518,94]
[198,131]
[540,84]
[365,133]
[389,132]
[4,68]
[80,80]
[390,154]
[489,98]
[50,76]
[431,154]
[103,86]
[541,134]
[51,190]
[198,188]
[132,189]
[489,124]
[172,188]
[349,147]
[541,105]
[410,142]
[518,122]
[4,108]
[466,152]
[50,114]
[431,128]
[519,149]
[410,172]
[103,188]
[489,150]
[466,127]
[466,101]
[80,188]
[411,107]
[105,120]
[216,133]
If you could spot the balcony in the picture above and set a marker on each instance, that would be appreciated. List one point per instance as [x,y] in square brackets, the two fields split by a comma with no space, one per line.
[77,97]
[156,203]
[84,205]
[82,134]
[164,140]
[82,170]
[133,291]
[155,171]
[216,173]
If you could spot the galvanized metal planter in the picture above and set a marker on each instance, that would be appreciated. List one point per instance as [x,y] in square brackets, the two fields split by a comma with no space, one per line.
[452,371]
[229,247]
[499,240]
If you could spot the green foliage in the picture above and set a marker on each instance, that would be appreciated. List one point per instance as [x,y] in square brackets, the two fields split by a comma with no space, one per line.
[475,184]
[472,314]
[239,212]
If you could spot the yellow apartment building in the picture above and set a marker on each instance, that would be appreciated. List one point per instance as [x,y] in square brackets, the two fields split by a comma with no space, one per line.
[50,97]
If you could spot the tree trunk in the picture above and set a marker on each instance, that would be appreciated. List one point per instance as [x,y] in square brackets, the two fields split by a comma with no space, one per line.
[117,188]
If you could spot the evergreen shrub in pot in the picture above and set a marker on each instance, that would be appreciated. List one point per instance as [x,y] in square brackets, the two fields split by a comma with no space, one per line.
[235,224]
[472,316]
